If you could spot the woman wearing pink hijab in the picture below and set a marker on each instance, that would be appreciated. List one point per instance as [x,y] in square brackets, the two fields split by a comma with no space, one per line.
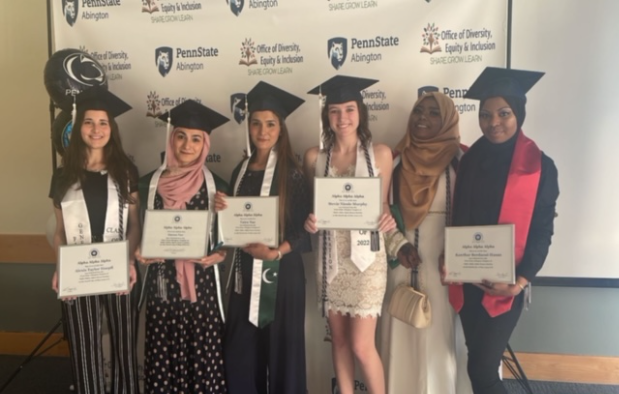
[184,313]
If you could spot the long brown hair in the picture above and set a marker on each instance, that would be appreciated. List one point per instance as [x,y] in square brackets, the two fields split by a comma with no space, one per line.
[75,159]
[363,131]
[286,162]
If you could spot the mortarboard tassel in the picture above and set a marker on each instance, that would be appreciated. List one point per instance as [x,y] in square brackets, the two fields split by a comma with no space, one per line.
[73,113]
[167,139]
[247,131]
[321,145]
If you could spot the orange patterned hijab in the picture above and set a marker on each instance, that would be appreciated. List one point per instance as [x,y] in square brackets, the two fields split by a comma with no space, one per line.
[423,161]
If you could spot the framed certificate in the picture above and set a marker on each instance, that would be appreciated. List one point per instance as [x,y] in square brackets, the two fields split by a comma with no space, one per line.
[250,220]
[172,234]
[90,269]
[347,203]
[477,253]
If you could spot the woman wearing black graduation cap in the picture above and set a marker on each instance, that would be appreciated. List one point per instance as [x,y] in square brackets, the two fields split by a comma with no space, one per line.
[96,200]
[353,285]
[504,178]
[265,340]
[184,312]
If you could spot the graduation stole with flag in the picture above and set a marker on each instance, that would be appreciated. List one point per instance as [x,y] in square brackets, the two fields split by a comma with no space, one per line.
[264,272]
[77,222]
[517,208]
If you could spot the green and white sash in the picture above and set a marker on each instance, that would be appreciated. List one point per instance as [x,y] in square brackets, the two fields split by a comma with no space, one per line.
[77,222]
[264,272]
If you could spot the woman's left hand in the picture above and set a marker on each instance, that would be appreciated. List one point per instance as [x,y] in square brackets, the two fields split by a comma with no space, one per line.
[386,223]
[260,251]
[499,289]
[212,259]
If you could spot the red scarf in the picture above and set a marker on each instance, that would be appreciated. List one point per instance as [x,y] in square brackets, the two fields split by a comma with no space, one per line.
[517,208]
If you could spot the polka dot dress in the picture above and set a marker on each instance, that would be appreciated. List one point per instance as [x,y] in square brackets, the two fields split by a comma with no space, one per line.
[183,339]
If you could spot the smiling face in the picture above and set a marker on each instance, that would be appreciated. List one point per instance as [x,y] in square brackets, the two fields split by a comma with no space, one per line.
[425,121]
[497,120]
[344,118]
[95,129]
[188,145]
[264,129]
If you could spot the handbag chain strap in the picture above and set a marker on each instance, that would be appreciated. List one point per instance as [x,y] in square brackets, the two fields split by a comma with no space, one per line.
[415,270]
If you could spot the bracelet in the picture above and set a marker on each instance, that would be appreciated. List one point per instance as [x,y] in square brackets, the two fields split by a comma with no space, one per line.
[521,286]
[279,255]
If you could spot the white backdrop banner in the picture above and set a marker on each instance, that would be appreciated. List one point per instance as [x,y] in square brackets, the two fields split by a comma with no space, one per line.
[159,53]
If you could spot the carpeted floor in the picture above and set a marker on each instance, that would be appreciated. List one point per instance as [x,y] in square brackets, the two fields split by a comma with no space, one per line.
[51,375]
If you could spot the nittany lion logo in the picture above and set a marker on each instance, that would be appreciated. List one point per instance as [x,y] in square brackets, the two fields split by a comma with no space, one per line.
[426,89]
[236,107]
[69,10]
[84,69]
[163,59]
[337,49]
[236,6]
[94,253]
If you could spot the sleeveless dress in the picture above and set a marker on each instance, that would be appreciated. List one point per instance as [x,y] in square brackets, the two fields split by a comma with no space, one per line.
[359,294]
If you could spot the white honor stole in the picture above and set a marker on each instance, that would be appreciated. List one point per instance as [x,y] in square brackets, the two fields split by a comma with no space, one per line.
[210,191]
[361,253]
[256,280]
[77,222]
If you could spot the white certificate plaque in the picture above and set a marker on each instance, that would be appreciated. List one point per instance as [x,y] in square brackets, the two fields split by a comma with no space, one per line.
[347,203]
[249,220]
[170,234]
[90,269]
[477,253]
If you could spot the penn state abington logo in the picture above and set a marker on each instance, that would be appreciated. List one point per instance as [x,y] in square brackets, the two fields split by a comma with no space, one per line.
[337,49]
[163,60]
[69,10]
[236,6]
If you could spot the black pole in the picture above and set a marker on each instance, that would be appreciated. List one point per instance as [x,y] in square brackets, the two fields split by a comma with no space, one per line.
[52,112]
[509,33]
[31,356]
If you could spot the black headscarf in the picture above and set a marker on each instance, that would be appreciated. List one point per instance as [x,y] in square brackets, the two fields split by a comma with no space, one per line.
[517,104]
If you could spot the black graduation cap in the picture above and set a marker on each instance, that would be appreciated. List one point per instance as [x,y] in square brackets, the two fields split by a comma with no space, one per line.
[266,97]
[100,99]
[342,89]
[494,81]
[193,115]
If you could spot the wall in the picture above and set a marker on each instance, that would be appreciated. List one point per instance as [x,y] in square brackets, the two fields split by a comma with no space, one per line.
[579,321]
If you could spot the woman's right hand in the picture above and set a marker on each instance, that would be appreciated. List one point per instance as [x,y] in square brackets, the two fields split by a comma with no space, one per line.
[145,261]
[443,271]
[310,224]
[220,201]
[408,256]
[55,281]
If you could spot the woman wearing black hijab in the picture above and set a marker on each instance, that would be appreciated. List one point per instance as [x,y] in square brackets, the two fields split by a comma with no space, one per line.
[503,178]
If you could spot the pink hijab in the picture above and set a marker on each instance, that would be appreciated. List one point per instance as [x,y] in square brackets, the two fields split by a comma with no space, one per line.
[177,186]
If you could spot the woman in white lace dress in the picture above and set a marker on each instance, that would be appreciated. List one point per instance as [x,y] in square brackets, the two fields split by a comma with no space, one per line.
[352,284]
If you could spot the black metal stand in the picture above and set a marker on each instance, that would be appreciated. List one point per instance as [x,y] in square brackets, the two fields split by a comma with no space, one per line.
[516,370]
[33,354]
